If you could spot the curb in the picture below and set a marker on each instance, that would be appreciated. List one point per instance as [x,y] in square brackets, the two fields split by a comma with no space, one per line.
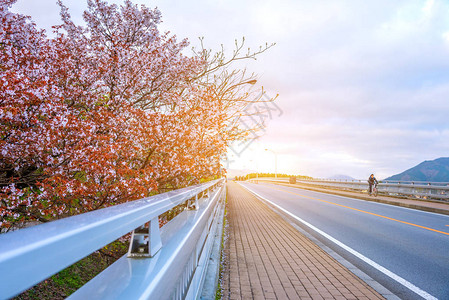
[209,289]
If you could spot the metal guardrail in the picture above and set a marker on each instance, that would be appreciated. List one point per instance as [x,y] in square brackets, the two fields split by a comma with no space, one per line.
[162,263]
[420,190]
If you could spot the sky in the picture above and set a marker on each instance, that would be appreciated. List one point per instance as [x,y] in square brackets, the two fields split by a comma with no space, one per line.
[363,85]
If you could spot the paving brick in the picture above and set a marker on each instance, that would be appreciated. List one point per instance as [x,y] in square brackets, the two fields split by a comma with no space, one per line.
[269,259]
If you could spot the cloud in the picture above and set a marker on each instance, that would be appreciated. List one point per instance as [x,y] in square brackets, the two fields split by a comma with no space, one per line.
[363,85]
[376,92]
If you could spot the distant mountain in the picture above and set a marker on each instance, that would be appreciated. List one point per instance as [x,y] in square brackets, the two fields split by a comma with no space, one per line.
[430,170]
[341,177]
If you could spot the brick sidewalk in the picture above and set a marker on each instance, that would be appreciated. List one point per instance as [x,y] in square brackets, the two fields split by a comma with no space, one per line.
[269,259]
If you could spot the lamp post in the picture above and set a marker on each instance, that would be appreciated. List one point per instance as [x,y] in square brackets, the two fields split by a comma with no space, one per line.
[252,82]
[257,169]
[275,162]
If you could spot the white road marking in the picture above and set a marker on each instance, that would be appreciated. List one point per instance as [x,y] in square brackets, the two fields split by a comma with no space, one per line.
[361,200]
[375,265]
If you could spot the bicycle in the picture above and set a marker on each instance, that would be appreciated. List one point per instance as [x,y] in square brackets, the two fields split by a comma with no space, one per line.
[374,192]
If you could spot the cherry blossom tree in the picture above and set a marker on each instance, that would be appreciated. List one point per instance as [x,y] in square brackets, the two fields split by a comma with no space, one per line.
[107,112]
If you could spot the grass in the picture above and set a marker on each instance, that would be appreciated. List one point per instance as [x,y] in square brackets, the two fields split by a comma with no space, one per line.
[67,281]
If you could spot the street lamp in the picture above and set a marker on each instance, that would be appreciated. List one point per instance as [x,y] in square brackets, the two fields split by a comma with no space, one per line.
[257,169]
[275,162]
[252,82]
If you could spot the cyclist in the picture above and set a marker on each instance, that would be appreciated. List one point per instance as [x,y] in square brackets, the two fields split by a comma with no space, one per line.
[371,181]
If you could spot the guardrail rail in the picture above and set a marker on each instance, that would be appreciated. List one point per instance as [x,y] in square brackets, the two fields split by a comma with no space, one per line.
[418,190]
[162,263]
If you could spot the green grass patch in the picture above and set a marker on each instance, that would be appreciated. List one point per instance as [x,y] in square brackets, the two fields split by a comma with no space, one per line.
[67,281]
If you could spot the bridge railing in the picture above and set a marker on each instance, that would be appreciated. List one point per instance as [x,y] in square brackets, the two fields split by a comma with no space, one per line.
[162,263]
[421,190]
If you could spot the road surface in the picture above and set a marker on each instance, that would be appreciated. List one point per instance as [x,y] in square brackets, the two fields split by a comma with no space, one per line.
[405,250]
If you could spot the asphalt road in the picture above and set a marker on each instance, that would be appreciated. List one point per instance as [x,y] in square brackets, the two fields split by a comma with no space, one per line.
[405,250]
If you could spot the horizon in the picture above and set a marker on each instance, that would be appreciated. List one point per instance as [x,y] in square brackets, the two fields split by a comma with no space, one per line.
[238,172]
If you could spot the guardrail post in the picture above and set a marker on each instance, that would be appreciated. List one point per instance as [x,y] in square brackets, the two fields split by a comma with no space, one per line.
[155,237]
[196,202]
[146,241]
